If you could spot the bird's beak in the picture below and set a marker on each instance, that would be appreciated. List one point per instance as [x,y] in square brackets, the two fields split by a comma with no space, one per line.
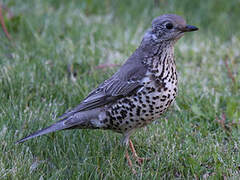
[188,28]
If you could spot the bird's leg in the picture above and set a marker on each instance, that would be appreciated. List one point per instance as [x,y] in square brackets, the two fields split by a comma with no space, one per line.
[130,162]
[139,160]
[125,142]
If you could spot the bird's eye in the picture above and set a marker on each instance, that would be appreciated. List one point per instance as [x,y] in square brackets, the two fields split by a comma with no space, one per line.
[169,25]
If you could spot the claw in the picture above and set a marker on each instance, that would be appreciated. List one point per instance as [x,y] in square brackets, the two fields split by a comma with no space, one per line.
[138,159]
[130,162]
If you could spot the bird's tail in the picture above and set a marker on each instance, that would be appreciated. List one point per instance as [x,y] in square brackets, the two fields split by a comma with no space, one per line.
[81,120]
[55,127]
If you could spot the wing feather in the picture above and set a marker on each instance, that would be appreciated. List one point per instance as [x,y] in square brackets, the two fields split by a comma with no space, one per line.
[123,83]
[102,96]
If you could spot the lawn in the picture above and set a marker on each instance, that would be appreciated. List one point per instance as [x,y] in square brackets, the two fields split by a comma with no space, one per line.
[61,50]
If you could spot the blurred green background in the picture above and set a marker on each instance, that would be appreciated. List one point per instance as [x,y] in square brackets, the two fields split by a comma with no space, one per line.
[60,50]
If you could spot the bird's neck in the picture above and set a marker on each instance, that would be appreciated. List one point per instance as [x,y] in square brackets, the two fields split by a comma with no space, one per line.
[159,54]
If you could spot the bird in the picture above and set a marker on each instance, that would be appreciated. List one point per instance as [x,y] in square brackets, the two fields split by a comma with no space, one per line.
[141,90]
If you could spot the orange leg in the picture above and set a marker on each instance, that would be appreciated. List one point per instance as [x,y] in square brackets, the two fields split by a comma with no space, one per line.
[139,160]
[130,162]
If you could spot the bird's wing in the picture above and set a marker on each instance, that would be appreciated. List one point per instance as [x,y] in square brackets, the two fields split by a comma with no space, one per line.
[121,84]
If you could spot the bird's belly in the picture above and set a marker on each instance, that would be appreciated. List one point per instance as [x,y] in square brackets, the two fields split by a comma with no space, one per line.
[157,99]
[141,108]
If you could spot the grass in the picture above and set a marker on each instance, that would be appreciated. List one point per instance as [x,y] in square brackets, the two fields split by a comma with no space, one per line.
[197,138]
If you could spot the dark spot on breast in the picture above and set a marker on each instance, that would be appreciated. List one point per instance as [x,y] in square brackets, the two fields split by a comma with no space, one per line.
[154,71]
[123,113]
[111,121]
[152,90]
[126,101]
[138,111]
[158,82]
[133,105]
[169,102]
[155,97]
[151,107]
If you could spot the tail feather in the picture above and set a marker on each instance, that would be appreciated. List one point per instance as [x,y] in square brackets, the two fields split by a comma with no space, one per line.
[60,125]
[80,120]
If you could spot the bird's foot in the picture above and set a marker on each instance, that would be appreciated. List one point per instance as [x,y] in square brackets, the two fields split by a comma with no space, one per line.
[130,162]
[140,160]
[136,157]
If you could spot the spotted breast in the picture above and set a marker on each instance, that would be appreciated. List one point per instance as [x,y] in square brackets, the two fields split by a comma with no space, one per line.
[149,102]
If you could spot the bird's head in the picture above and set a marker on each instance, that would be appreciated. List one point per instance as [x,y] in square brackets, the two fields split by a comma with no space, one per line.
[170,27]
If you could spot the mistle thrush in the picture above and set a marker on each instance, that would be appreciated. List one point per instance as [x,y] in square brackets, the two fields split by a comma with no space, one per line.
[138,93]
